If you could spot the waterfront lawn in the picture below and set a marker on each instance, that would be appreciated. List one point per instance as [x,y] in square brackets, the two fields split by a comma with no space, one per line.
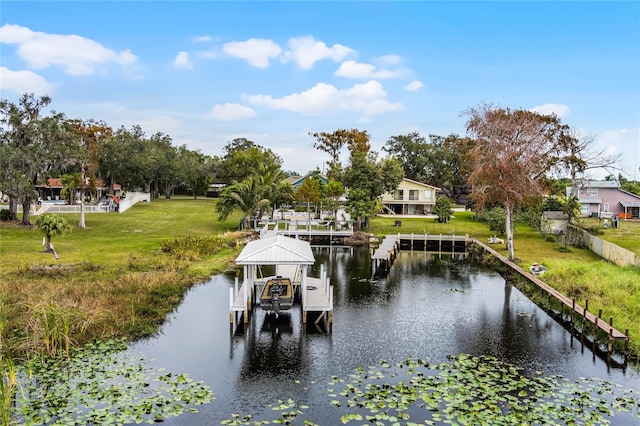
[112,278]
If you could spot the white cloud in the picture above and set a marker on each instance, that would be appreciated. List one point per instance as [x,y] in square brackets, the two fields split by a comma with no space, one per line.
[75,54]
[205,54]
[368,98]
[201,39]
[623,142]
[547,109]
[414,86]
[306,51]
[387,60]
[232,112]
[162,123]
[353,69]
[24,82]
[257,52]
[183,61]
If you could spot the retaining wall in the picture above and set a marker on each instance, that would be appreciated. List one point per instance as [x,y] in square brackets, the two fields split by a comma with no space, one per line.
[605,249]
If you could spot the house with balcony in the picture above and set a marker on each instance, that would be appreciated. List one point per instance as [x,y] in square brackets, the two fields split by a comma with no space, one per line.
[605,198]
[411,198]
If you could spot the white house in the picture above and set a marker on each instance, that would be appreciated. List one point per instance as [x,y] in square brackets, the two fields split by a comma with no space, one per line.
[411,198]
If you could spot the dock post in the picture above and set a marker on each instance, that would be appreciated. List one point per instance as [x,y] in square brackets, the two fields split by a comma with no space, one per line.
[626,342]
[610,343]
[573,310]
[584,313]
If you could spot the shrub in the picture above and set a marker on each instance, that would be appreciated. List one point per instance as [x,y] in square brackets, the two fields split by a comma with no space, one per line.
[5,215]
[495,219]
[442,209]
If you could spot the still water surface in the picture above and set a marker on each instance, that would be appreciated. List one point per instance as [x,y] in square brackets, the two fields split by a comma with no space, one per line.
[425,308]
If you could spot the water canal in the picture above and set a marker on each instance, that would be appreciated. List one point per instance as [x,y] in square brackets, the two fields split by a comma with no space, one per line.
[425,308]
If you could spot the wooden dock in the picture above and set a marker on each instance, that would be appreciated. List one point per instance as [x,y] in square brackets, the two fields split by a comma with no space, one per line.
[574,308]
[318,236]
[384,256]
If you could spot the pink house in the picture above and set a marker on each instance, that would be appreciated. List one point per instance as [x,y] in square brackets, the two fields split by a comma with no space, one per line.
[605,198]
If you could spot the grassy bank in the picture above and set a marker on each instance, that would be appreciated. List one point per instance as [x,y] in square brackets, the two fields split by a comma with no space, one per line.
[122,275]
[112,277]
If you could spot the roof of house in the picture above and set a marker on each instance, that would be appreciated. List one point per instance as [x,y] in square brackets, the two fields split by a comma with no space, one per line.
[57,183]
[297,180]
[276,250]
[600,184]
[630,203]
[420,183]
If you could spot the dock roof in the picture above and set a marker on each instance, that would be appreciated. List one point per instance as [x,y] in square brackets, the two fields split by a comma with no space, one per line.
[276,250]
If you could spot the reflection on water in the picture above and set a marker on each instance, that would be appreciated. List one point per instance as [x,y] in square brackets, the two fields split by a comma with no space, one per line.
[426,307]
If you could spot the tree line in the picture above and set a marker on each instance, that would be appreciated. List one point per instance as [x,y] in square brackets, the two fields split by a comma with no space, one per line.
[508,158]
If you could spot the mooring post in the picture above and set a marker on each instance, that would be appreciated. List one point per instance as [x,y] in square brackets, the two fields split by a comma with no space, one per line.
[584,313]
[573,309]
[626,342]
[610,343]
[595,327]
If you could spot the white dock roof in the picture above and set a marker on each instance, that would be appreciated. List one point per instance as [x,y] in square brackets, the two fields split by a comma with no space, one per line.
[276,250]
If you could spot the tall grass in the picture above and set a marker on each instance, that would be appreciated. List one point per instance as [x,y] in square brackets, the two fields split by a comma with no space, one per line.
[120,276]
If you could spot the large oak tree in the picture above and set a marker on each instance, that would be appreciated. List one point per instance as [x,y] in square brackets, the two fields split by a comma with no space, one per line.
[32,144]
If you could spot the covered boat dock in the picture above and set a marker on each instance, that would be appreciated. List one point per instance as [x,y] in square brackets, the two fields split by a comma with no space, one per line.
[291,259]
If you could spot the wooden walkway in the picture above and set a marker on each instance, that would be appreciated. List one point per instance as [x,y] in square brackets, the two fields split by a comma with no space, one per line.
[599,323]
[384,256]
[328,235]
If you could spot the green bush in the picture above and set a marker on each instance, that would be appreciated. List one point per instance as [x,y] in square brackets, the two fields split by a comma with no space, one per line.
[5,215]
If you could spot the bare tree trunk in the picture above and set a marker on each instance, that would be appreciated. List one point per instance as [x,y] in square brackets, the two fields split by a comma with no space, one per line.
[81,224]
[49,247]
[13,207]
[26,212]
[167,189]
[510,248]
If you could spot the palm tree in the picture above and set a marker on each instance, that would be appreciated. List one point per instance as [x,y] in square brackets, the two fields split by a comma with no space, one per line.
[70,184]
[309,192]
[51,224]
[276,189]
[246,196]
[334,190]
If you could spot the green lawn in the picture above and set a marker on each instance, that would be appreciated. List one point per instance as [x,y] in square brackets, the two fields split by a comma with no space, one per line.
[119,282]
[626,235]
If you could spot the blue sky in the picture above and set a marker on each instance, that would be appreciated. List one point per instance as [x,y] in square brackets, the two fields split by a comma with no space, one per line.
[207,72]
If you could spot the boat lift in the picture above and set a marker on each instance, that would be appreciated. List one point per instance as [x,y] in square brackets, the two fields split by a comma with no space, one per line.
[291,258]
